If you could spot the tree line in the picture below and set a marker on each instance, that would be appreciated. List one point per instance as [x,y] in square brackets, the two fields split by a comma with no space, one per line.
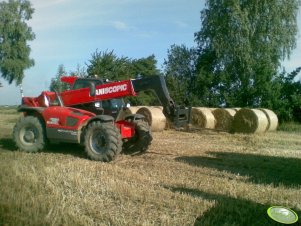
[236,60]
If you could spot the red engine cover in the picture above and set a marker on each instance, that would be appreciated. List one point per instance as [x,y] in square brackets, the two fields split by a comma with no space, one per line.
[65,118]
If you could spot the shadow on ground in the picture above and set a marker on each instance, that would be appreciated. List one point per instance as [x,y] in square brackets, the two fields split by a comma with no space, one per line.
[60,148]
[7,144]
[66,149]
[259,168]
[230,211]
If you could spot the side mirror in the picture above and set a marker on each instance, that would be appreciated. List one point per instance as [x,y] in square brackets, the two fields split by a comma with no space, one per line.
[92,89]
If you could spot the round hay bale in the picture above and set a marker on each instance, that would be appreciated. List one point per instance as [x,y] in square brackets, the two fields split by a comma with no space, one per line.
[155,118]
[236,109]
[250,121]
[202,117]
[159,107]
[212,109]
[123,113]
[169,124]
[272,119]
[224,118]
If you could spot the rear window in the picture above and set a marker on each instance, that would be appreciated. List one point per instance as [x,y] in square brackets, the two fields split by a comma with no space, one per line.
[81,83]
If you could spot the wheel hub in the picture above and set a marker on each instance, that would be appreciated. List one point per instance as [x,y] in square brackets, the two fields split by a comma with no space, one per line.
[98,142]
[29,136]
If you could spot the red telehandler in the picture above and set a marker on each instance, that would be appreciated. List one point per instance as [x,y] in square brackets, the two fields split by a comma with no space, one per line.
[76,116]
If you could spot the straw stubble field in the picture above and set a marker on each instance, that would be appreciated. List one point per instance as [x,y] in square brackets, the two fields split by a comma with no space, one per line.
[200,178]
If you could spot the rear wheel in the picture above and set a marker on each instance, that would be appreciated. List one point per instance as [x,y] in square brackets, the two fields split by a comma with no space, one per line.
[29,134]
[140,142]
[102,141]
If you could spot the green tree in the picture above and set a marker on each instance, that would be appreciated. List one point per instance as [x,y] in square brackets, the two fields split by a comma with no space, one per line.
[180,72]
[14,36]
[109,66]
[56,84]
[244,42]
[79,72]
[144,67]
[287,101]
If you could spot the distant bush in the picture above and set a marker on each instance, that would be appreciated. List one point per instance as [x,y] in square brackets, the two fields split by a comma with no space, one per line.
[290,127]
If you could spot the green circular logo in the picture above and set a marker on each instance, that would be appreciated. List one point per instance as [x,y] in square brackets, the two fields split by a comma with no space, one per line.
[282,215]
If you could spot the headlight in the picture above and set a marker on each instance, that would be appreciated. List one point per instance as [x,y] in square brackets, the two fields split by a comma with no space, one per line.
[97,104]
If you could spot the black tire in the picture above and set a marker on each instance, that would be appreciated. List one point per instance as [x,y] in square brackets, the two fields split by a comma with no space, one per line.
[29,134]
[102,141]
[140,142]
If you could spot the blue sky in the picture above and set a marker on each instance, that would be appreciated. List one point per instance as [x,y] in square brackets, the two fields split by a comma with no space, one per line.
[69,31]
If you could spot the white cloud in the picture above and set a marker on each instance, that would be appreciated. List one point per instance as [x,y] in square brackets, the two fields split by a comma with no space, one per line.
[56,14]
[122,26]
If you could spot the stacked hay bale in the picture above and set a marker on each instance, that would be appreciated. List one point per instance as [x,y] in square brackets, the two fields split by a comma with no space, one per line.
[272,119]
[123,113]
[236,109]
[159,107]
[203,118]
[224,119]
[169,124]
[250,121]
[154,116]
[212,109]
[229,120]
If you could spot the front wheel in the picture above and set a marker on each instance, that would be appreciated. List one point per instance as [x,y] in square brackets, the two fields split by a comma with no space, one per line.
[102,141]
[140,142]
[29,134]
